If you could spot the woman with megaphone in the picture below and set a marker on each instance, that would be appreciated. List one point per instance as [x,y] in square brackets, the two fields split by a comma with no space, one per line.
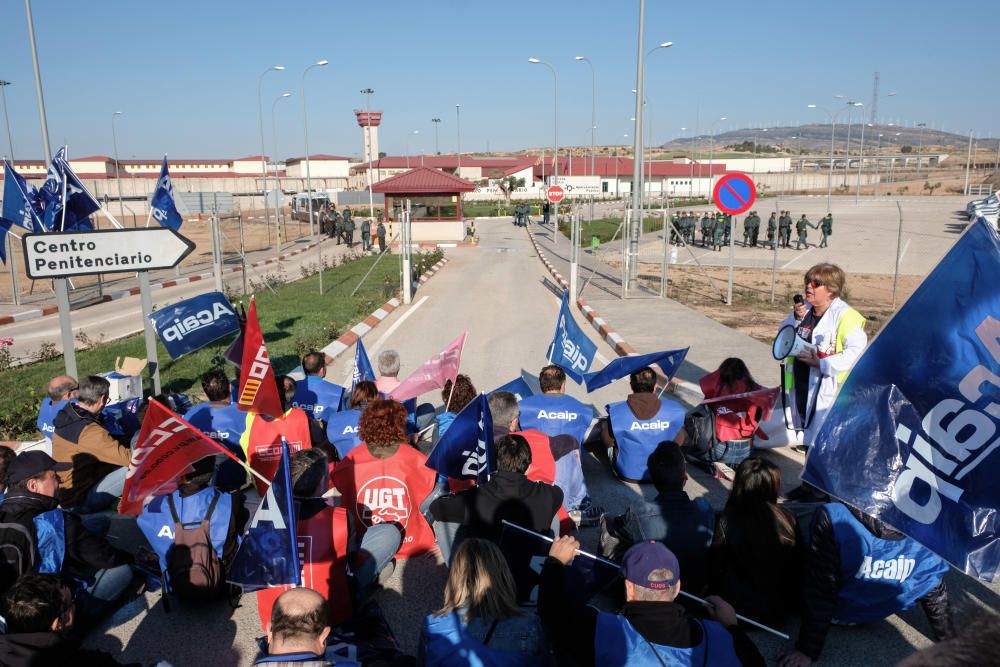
[829,336]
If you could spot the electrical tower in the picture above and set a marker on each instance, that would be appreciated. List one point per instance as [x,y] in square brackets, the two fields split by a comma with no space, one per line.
[875,102]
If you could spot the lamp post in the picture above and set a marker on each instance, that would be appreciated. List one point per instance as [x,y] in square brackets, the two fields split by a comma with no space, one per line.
[555,154]
[274,138]
[892,156]
[305,133]
[6,117]
[411,134]
[458,130]
[593,123]
[368,92]
[118,180]
[847,160]
[711,155]
[260,125]
[833,134]
[920,149]
[436,121]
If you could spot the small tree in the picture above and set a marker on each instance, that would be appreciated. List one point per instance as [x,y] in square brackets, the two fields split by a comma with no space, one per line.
[931,188]
[508,184]
[906,149]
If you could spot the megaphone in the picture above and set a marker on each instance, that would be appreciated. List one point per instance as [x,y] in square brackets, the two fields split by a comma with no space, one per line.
[788,344]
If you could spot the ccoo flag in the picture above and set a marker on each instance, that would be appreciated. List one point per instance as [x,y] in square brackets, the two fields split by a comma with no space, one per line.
[435,372]
[466,450]
[912,437]
[258,390]
[192,324]
[162,206]
[66,203]
[20,201]
[570,348]
[668,361]
[268,555]
[363,371]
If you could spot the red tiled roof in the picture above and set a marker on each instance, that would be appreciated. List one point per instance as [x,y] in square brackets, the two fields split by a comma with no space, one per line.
[318,156]
[622,166]
[254,158]
[92,158]
[446,162]
[423,180]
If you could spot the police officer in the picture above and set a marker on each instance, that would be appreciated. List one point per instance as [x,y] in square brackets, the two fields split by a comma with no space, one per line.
[747,229]
[338,225]
[675,224]
[754,228]
[772,227]
[707,225]
[826,228]
[718,231]
[727,223]
[785,230]
[349,231]
[801,228]
[366,235]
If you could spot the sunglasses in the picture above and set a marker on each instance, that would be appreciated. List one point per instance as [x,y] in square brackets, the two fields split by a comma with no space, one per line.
[815,283]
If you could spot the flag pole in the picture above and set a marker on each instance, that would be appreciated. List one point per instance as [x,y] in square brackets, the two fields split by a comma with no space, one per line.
[453,382]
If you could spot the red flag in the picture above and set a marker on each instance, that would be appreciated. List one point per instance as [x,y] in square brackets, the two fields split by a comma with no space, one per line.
[167,445]
[435,372]
[258,391]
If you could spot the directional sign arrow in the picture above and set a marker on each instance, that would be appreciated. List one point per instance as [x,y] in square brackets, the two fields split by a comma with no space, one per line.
[67,254]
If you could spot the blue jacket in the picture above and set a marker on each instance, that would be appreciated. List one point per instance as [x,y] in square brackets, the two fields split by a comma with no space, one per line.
[618,643]
[514,642]
[637,438]
[319,398]
[342,431]
[556,414]
[47,412]
[157,524]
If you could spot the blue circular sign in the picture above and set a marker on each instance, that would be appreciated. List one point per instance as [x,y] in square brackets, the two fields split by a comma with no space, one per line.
[734,193]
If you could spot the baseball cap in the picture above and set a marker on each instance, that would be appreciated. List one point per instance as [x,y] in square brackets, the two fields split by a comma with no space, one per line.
[29,464]
[642,558]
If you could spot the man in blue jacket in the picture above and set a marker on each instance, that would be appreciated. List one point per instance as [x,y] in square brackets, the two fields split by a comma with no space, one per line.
[60,390]
[315,394]
[222,421]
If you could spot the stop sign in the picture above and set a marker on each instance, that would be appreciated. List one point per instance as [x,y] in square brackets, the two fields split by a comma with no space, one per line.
[555,193]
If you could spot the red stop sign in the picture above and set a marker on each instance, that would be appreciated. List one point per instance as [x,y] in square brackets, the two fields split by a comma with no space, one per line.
[555,193]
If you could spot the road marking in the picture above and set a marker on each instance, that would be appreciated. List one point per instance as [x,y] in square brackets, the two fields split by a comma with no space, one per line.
[903,253]
[349,362]
[797,257]
[697,257]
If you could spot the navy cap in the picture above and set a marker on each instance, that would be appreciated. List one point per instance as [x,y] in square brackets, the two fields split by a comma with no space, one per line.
[33,463]
[642,558]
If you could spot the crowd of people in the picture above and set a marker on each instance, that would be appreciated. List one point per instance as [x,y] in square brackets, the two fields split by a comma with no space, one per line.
[340,225]
[366,500]
[715,229]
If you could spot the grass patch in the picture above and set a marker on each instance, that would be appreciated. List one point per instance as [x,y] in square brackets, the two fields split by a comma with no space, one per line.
[605,228]
[294,319]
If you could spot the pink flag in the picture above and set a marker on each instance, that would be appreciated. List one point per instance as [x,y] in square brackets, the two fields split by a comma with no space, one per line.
[434,373]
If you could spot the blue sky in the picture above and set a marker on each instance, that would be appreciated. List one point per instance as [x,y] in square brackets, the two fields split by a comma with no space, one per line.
[184,74]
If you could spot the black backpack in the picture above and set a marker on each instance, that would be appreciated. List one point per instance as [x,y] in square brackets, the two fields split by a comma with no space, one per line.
[193,565]
[18,553]
[699,426]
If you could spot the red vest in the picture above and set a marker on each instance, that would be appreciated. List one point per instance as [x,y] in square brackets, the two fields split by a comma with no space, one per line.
[736,419]
[388,490]
[543,469]
[261,441]
[322,541]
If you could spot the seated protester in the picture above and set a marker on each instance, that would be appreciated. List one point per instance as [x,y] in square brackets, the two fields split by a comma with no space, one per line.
[685,526]
[100,573]
[505,413]
[421,416]
[508,495]
[261,439]
[39,611]
[652,629]
[480,622]
[342,427]
[298,630]
[859,570]
[736,420]
[635,426]
[386,480]
[7,455]
[454,398]
[222,421]
[316,395]
[317,429]
[755,555]
[61,390]
[192,503]
[96,476]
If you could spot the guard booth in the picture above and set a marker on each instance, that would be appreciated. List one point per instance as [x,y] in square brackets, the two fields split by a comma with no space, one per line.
[435,203]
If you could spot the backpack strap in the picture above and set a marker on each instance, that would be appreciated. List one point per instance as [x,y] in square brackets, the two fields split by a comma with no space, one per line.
[208,514]
[173,510]
[489,633]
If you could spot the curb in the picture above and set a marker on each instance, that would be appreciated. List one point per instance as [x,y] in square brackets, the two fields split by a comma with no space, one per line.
[431,246]
[121,294]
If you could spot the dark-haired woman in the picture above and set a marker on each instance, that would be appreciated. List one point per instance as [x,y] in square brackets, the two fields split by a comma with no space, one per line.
[735,420]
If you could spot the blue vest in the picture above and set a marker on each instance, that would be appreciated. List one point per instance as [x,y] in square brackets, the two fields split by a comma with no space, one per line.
[50,540]
[223,424]
[448,644]
[119,418]
[879,577]
[342,431]
[157,525]
[637,438]
[556,414]
[46,416]
[319,398]
[616,642]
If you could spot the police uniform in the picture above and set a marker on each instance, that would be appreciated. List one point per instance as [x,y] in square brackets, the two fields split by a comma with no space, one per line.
[785,230]
[754,228]
[675,223]
[718,230]
[727,221]
[707,225]
[826,228]
[801,228]
[772,226]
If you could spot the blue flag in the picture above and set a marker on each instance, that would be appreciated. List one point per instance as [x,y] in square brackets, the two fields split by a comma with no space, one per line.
[66,203]
[20,201]
[668,361]
[518,386]
[526,551]
[162,206]
[192,324]
[268,555]
[363,371]
[466,451]
[570,348]
[912,436]
[4,228]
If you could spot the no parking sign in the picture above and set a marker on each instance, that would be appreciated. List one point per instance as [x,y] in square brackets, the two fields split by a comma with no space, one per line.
[734,193]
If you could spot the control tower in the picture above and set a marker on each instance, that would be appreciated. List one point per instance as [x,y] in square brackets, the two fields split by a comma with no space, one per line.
[369,122]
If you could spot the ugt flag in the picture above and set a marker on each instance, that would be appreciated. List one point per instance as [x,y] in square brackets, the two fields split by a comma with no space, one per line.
[363,371]
[570,348]
[258,390]
[20,201]
[162,206]
[668,361]
[65,202]
[268,555]
[192,324]
[435,372]
[912,436]
[466,450]
[167,445]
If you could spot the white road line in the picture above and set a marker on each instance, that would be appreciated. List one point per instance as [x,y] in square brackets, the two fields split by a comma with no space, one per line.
[797,257]
[697,257]
[903,252]
[373,350]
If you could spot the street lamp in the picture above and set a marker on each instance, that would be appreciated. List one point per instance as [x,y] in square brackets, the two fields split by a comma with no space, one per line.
[755,136]
[833,130]
[368,92]
[555,154]
[260,126]
[415,132]
[305,132]
[847,159]
[6,118]
[118,180]
[274,137]
[642,146]
[458,129]
[436,121]
[593,113]
[920,149]
[711,156]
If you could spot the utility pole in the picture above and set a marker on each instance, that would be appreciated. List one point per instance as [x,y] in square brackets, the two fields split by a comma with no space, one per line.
[436,121]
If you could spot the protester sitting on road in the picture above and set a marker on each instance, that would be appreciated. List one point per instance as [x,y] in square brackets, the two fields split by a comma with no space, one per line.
[685,526]
[222,421]
[388,380]
[184,567]
[859,570]
[6,457]
[386,480]
[342,427]
[58,539]
[97,461]
[652,629]
[455,398]
[317,429]
[298,630]
[261,439]
[736,420]
[480,617]
[635,426]
[755,557]
[39,611]
[60,390]
[315,394]
[508,495]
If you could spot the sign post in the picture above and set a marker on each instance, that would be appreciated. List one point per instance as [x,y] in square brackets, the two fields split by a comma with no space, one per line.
[405,250]
[555,194]
[734,194]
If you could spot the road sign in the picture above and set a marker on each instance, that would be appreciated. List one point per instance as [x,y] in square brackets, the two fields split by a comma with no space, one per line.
[734,193]
[555,193]
[66,254]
